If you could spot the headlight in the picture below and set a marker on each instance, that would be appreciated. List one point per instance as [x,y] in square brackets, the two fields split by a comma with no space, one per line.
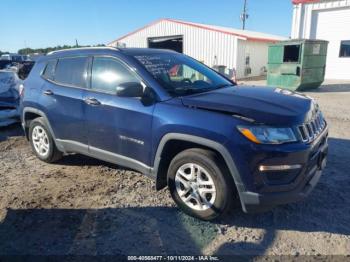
[268,135]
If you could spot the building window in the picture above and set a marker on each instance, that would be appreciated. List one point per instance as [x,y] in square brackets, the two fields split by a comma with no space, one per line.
[344,49]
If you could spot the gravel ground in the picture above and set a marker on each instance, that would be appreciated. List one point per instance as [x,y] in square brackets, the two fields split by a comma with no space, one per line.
[85,206]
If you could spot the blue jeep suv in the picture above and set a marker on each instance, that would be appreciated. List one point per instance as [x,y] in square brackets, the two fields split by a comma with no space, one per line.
[179,122]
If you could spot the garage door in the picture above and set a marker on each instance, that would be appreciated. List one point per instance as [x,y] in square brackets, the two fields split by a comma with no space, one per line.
[334,26]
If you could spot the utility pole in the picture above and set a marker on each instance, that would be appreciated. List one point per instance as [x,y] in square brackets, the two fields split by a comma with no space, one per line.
[244,15]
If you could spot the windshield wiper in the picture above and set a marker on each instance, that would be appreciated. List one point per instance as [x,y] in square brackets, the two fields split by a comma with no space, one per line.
[192,90]
[222,86]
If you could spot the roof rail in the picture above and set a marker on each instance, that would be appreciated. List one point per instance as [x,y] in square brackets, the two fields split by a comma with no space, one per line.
[82,48]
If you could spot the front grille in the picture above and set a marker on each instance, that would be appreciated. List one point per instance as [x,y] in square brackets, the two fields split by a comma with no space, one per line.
[310,131]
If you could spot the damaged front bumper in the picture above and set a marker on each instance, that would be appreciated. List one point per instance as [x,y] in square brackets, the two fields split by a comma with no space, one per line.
[8,116]
[9,98]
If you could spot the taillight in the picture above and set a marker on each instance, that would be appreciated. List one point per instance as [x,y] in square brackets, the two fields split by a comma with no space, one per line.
[21,90]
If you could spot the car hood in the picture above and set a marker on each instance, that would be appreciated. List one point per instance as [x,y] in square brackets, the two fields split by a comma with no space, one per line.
[267,105]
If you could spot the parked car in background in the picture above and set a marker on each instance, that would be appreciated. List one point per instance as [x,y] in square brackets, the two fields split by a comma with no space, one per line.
[24,69]
[14,57]
[181,123]
[5,64]
[10,85]
[22,64]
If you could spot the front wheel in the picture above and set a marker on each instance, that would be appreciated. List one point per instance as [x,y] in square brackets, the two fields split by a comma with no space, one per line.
[199,183]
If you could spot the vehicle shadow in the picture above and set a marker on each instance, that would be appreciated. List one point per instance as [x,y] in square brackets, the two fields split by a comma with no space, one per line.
[80,160]
[331,88]
[123,231]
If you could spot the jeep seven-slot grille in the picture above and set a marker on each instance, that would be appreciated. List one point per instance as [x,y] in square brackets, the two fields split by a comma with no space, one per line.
[309,131]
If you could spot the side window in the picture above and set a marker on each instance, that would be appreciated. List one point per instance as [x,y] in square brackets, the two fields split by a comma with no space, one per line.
[49,71]
[109,73]
[72,71]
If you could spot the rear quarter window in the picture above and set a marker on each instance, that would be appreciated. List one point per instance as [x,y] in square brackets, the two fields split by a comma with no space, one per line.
[72,71]
[49,70]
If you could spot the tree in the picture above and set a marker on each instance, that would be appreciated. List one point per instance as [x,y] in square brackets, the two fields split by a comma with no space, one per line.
[2,53]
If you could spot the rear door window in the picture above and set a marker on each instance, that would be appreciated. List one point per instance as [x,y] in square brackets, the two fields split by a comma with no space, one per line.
[72,71]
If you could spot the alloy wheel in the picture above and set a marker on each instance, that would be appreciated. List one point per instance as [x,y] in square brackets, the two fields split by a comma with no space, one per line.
[40,141]
[195,186]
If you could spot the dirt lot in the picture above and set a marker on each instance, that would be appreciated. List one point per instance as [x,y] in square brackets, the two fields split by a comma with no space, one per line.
[85,206]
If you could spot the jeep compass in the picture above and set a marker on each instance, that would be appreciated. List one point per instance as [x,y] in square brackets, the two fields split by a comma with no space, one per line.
[179,122]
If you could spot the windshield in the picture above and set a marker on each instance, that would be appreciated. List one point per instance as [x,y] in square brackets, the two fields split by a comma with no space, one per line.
[181,75]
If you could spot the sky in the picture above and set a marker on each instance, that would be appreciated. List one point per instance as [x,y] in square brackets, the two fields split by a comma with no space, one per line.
[45,23]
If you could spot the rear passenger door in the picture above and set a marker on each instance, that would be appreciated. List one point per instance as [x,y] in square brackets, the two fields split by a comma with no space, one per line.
[118,127]
[67,80]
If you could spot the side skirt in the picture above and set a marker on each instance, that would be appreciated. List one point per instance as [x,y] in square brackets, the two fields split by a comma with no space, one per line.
[76,147]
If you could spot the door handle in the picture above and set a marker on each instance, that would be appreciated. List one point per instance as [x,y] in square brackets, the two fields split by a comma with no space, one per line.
[48,92]
[92,102]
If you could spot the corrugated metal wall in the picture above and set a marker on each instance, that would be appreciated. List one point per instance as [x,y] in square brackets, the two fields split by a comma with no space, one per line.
[303,15]
[258,54]
[326,20]
[210,47]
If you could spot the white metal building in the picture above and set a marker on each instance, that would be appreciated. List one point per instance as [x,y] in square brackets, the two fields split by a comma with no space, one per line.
[242,51]
[326,20]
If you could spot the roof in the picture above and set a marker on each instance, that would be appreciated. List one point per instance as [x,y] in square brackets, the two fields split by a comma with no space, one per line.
[295,2]
[301,41]
[101,51]
[246,34]
[78,49]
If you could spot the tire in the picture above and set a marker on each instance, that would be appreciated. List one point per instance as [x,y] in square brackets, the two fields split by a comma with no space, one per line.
[213,187]
[42,142]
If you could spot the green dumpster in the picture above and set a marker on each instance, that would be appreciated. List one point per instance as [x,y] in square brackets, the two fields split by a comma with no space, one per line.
[297,64]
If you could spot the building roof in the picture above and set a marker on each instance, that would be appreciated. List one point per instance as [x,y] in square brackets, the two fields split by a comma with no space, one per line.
[246,34]
[295,2]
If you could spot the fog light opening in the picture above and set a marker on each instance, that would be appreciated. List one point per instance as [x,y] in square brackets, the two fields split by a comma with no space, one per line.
[279,168]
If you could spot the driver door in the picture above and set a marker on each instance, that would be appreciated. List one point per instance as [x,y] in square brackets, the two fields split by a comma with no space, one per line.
[118,127]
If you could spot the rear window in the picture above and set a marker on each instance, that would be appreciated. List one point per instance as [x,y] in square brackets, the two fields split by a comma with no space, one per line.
[72,71]
[50,70]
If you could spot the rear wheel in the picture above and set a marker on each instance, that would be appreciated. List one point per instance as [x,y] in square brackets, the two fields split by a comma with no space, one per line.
[200,184]
[42,142]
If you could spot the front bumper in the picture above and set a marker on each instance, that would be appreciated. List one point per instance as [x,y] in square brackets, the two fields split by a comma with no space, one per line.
[255,202]
[9,109]
[8,116]
[263,194]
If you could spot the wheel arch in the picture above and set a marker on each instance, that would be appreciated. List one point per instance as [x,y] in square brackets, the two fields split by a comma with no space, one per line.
[167,143]
[29,114]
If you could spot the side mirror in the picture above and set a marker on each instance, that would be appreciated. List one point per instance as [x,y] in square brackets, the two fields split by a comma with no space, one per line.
[130,89]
